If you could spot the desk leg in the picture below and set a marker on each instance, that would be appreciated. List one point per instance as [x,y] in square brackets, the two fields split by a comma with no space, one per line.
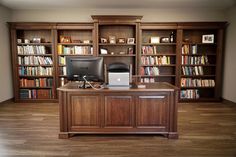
[173,135]
[63,135]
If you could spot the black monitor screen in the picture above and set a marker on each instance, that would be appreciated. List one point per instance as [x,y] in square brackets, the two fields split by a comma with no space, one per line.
[78,67]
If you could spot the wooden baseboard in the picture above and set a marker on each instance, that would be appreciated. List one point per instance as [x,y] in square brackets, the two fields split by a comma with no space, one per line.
[7,101]
[225,101]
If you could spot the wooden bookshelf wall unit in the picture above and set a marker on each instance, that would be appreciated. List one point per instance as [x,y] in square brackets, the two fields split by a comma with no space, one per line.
[33,61]
[201,61]
[158,53]
[39,51]
[72,39]
[121,38]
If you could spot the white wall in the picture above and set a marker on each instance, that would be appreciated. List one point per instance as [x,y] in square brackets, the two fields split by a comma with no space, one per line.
[6,91]
[84,15]
[229,81]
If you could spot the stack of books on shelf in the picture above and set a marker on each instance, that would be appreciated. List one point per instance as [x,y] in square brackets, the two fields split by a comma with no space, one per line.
[38,82]
[189,94]
[35,71]
[34,60]
[189,49]
[36,94]
[29,50]
[75,50]
[63,71]
[150,60]
[195,70]
[194,60]
[149,49]
[151,71]
[62,60]
[189,82]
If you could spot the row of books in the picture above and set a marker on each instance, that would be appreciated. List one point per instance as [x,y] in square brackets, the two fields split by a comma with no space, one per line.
[79,50]
[194,60]
[36,94]
[150,60]
[62,71]
[36,71]
[192,70]
[29,49]
[38,82]
[189,82]
[151,71]
[189,49]
[35,60]
[147,80]
[62,60]
[149,50]
[189,94]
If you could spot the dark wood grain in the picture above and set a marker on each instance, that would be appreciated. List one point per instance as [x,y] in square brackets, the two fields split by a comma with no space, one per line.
[205,129]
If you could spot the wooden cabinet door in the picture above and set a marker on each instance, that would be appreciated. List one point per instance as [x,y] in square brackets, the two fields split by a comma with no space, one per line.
[152,112]
[118,111]
[85,112]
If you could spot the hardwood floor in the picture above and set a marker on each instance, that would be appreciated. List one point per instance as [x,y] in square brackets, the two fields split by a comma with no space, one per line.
[205,130]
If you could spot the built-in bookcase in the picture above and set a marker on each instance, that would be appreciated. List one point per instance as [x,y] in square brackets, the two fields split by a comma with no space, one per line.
[118,40]
[157,61]
[72,40]
[33,60]
[201,63]
[39,52]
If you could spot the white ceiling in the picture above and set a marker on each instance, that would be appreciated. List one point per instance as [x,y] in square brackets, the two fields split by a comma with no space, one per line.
[110,4]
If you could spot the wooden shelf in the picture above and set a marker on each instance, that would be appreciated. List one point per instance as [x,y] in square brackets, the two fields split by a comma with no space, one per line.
[159,44]
[155,76]
[165,65]
[36,87]
[34,54]
[197,76]
[205,54]
[45,65]
[76,44]
[75,55]
[35,44]
[186,43]
[206,65]
[127,55]
[160,54]
[195,87]
[117,44]
[35,76]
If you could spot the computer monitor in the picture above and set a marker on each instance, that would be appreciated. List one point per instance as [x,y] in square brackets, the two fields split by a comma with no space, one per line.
[90,67]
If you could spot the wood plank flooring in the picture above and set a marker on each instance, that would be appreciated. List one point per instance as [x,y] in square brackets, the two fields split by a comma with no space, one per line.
[205,130]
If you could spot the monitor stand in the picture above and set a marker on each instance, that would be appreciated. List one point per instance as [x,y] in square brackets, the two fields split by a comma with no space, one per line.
[84,85]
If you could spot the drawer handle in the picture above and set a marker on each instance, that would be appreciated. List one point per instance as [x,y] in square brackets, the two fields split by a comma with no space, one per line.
[151,97]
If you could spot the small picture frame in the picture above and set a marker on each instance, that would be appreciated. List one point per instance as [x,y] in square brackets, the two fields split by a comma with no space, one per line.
[208,38]
[65,39]
[121,40]
[130,41]
[103,40]
[19,41]
[112,39]
[86,41]
[130,50]
[103,51]
[36,40]
[165,40]
[155,40]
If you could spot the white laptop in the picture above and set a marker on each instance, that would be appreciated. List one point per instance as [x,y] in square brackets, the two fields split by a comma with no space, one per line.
[118,79]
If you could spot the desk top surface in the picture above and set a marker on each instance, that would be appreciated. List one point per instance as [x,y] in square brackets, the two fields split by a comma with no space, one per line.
[149,87]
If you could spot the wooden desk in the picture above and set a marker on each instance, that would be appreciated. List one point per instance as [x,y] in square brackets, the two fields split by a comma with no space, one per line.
[150,110]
